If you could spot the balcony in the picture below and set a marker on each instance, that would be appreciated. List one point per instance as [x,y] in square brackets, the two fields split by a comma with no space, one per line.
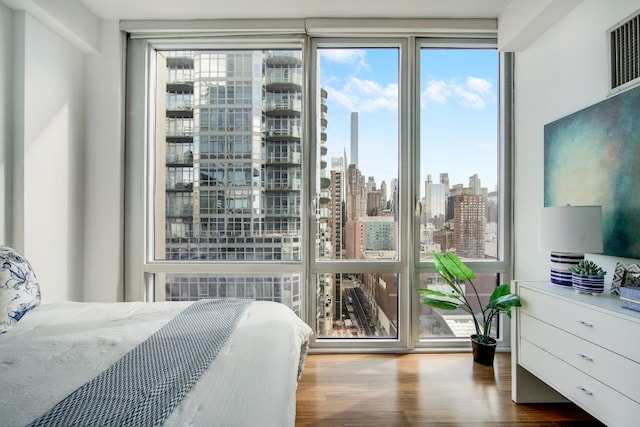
[323,213]
[180,85]
[182,159]
[284,159]
[280,59]
[182,132]
[179,60]
[286,107]
[281,82]
[179,211]
[180,186]
[181,111]
[280,133]
[284,185]
[283,212]
[325,197]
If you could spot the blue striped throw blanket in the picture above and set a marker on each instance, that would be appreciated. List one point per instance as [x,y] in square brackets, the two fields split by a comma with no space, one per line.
[144,386]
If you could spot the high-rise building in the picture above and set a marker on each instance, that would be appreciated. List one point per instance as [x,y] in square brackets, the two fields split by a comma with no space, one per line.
[474,184]
[469,224]
[337,210]
[435,199]
[327,284]
[371,184]
[374,203]
[232,168]
[355,193]
[394,198]
[354,139]
[379,233]
[324,231]
[383,194]
[444,179]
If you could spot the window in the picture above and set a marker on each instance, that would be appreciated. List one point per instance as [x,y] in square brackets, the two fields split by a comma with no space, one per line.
[460,187]
[357,215]
[322,181]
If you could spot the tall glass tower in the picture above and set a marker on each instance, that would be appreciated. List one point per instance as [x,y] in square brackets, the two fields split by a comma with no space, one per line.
[232,169]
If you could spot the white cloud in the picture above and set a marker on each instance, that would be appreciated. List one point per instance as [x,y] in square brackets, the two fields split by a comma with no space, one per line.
[437,91]
[345,56]
[468,98]
[478,85]
[365,95]
[473,93]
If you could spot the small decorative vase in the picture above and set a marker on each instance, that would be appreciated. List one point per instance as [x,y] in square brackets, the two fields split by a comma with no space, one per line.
[585,284]
[483,353]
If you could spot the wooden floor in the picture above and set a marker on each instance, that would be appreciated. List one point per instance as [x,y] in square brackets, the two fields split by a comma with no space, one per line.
[419,390]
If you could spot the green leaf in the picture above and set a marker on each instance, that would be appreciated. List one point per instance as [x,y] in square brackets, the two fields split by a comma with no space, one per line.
[452,267]
[441,270]
[500,291]
[431,292]
[438,303]
[439,299]
[505,302]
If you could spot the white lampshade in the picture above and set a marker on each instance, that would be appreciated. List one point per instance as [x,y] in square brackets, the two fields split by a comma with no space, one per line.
[571,228]
[568,232]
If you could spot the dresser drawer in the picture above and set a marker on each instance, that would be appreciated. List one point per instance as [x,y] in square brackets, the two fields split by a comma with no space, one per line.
[607,330]
[606,404]
[617,372]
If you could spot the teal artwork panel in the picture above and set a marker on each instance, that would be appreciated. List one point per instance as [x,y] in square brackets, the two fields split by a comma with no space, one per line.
[592,157]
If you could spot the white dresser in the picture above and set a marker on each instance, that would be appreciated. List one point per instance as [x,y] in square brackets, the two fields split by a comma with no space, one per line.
[586,347]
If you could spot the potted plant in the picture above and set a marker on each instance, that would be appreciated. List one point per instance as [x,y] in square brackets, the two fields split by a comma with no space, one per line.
[587,277]
[456,274]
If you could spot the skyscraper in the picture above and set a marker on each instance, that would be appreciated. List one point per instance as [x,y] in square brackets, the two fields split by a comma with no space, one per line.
[354,138]
[474,184]
[435,199]
[232,167]
[469,225]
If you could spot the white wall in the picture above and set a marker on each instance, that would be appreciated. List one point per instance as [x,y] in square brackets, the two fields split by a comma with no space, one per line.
[52,146]
[6,127]
[61,154]
[103,239]
[42,135]
[560,73]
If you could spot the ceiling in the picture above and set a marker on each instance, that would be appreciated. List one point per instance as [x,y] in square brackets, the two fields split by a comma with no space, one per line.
[251,9]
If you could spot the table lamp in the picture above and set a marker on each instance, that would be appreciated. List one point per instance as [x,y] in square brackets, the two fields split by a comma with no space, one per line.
[569,232]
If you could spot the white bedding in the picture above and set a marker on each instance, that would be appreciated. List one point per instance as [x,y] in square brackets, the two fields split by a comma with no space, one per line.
[57,347]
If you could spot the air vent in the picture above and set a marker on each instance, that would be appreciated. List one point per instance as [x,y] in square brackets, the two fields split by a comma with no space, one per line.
[624,41]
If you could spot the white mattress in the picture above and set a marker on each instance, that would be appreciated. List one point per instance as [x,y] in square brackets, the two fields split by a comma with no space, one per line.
[57,347]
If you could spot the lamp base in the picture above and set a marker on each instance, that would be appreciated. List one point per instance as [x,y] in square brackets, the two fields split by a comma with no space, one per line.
[560,264]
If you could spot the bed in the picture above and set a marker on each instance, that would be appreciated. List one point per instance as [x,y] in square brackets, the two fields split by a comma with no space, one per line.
[53,349]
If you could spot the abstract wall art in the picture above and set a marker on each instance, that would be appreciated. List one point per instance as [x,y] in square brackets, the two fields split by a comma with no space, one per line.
[592,157]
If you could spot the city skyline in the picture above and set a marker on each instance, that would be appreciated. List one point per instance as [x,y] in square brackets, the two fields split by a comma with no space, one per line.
[458,111]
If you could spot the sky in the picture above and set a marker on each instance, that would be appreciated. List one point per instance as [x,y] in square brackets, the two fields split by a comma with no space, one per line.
[458,111]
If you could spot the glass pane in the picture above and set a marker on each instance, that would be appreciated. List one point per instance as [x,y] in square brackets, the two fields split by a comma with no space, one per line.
[357,305]
[437,323]
[357,183]
[282,288]
[459,153]
[229,155]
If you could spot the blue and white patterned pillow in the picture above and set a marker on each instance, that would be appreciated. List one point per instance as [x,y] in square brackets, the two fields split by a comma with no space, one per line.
[19,289]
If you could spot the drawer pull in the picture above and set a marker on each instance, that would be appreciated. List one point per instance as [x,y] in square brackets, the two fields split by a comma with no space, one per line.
[585,357]
[587,324]
[584,390]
